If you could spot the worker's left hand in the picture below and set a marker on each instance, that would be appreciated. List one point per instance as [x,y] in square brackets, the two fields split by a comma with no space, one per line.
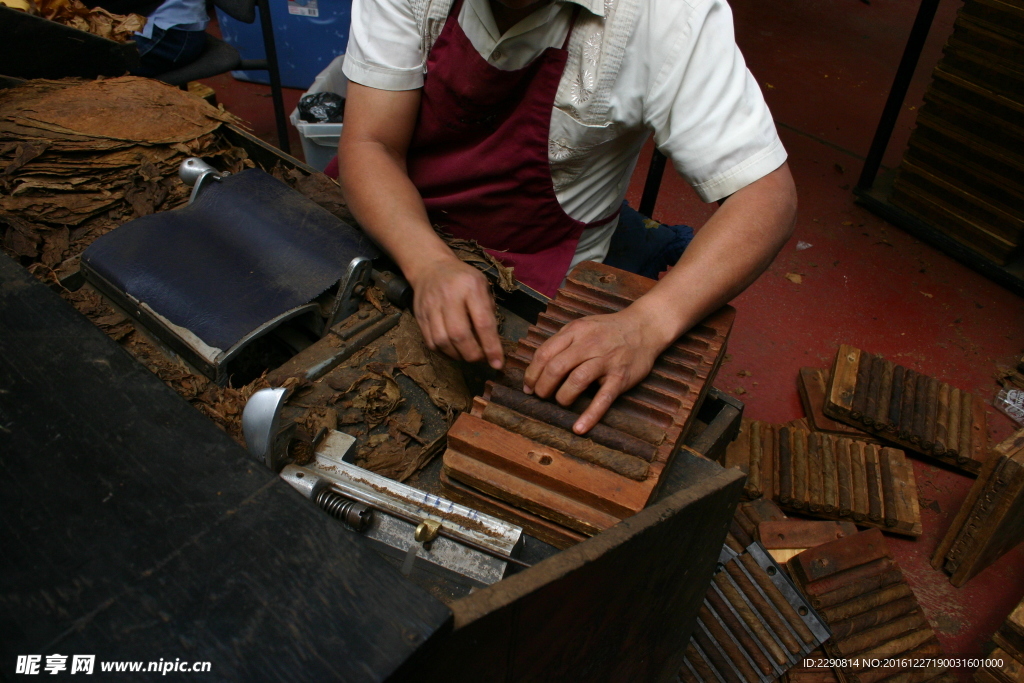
[617,350]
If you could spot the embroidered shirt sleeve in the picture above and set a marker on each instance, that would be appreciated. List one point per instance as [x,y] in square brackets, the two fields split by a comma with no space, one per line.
[384,45]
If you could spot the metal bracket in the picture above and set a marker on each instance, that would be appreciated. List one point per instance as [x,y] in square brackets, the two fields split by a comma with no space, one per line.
[197,174]
[350,288]
[261,425]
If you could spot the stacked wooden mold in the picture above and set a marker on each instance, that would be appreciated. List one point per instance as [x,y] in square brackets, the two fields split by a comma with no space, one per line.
[1009,652]
[516,456]
[859,590]
[812,384]
[914,410]
[991,520]
[753,625]
[964,170]
[828,476]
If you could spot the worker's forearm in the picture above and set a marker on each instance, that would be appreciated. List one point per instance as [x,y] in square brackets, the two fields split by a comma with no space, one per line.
[388,206]
[732,249]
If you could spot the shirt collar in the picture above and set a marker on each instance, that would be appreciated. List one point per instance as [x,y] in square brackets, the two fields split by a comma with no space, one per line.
[595,7]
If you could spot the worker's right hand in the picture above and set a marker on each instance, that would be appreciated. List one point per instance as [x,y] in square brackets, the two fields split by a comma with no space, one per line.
[455,311]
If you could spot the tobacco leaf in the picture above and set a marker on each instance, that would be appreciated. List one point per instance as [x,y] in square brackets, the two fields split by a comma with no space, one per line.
[55,244]
[23,154]
[433,372]
[471,252]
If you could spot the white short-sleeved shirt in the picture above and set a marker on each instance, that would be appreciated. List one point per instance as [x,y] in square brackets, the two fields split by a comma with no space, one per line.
[670,67]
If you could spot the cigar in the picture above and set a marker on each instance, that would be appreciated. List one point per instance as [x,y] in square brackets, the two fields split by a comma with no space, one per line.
[753,487]
[920,409]
[861,504]
[856,588]
[884,396]
[710,651]
[899,645]
[799,469]
[747,524]
[732,594]
[953,423]
[849,576]
[785,467]
[780,602]
[942,421]
[874,490]
[700,665]
[567,442]
[860,390]
[844,475]
[889,506]
[775,622]
[815,484]
[896,400]
[731,622]
[931,414]
[554,414]
[871,618]
[906,426]
[966,417]
[865,603]
[734,544]
[729,646]
[874,391]
[829,485]
[685,675]
[769,470]
[878,635]
[737,530]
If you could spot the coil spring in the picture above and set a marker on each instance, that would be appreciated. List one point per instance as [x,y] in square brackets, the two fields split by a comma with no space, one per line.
[352,514]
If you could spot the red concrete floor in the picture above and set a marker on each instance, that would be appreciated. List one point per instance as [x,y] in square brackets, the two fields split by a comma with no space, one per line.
[826,67]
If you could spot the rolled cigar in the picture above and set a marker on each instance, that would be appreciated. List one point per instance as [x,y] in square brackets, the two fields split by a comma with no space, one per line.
[928,436]
[861,504]
[715,657]
[874,483]
[874,391]
[899,645]
[734,543]
[942,420]
[739,533]
[733,595]
[848,576]
[785,466]
[554,414]
[844,477]
[731,648]
[699,664]
[780,602]
[799,469]
[884,396]
[769,469]
[856,588]
[920,409]
[745,523]
[979,433]
[753,486]
[889,506]
[896,400]
[953,422]
[687,676]
[906,427]
[567,442]
[865,603]
[732,622]
[871,618]
[775,622]
[966,415]
[929,649]
[829,484]
[860,389]
[874,637]
[815,495]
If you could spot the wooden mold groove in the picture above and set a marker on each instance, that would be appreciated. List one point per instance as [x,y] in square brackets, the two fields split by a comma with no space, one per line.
[923,414]
[812,384]
[753,626]
[991,520]
[873,614]
[827,476]
[520,450]
[1005,664]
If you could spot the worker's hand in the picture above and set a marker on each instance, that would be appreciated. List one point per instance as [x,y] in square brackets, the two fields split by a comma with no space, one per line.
[616,350]
[454,308]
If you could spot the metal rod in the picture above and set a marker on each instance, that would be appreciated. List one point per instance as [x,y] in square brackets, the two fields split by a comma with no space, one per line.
[653,184]
[900,85]
[270,47]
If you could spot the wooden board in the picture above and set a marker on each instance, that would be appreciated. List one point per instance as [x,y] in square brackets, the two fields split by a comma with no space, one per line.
[828,476]
[858,588]
[991,520]
[916,423]
[811,384]
[553,481]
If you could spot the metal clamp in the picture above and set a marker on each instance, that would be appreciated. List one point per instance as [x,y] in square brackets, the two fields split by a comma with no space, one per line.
[197,174]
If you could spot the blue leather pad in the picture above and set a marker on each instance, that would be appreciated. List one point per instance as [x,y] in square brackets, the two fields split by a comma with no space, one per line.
[246,251]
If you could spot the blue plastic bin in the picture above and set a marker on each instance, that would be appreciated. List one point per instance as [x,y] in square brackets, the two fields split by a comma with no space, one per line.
[308,33]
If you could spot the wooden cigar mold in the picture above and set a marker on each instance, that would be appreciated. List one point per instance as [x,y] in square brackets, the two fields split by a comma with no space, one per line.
[812,385]
[754,625]
[859,590]
[913,410]
[519,456]
[1009,642]
[828,476]
[991,520]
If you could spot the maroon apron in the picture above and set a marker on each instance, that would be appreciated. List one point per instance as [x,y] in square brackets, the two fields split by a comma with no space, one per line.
[479,157]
